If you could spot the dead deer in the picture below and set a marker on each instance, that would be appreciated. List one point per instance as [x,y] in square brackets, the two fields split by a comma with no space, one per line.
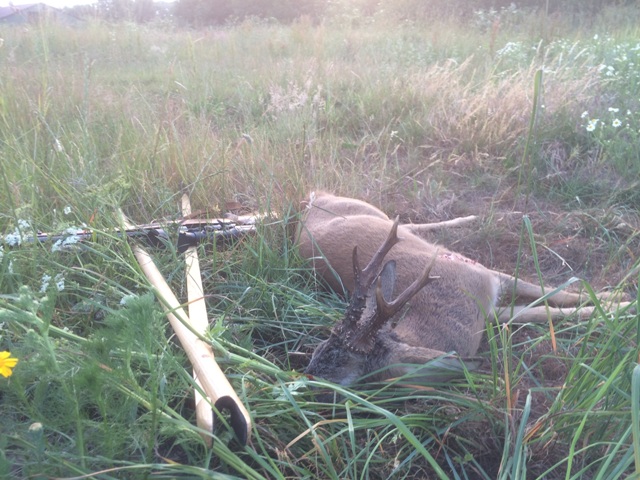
[451,297]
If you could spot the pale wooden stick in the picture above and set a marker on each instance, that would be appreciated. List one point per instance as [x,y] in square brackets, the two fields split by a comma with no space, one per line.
[213,380]
[199,321]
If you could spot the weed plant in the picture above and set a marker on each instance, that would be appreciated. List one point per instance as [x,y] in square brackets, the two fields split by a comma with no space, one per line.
[428,123]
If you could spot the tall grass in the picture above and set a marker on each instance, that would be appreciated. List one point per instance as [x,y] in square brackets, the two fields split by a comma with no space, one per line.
[429,123]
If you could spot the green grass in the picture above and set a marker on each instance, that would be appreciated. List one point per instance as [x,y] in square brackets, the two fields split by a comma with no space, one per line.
[429,123]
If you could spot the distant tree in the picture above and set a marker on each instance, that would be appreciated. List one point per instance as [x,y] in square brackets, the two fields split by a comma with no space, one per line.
[209,12]
[84,11]
[163,9]
[282,10]
[116,10]
[202,12]
[429,10]
[144,10]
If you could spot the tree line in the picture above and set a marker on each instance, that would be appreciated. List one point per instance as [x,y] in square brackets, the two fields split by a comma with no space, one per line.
[200,13]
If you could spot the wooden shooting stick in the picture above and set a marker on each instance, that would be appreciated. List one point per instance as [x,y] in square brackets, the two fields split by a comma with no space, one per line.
[207,373]
[199,322]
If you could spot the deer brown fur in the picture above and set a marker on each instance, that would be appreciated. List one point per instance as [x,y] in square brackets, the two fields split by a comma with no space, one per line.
[447,311]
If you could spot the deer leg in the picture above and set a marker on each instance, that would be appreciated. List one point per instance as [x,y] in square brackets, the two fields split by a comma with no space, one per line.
[542,314]
[510,286]
[561,298]
[420,228]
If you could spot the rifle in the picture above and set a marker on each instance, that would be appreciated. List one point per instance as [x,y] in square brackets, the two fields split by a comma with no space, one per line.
[190,232]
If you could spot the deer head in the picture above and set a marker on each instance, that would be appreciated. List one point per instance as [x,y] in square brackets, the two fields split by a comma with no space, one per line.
[358,344]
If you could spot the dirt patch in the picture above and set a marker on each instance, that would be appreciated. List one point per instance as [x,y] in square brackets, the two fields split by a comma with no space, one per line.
[596,244]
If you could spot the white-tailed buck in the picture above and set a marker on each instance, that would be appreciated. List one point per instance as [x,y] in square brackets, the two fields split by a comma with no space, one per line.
[450,296]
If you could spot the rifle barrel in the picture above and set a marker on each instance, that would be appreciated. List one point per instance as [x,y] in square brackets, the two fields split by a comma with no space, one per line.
[219,233]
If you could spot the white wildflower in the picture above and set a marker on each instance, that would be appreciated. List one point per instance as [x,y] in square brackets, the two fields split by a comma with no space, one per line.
[509,49]
[45,283]
[73,238]
[614,110]
[616,123]
[57,246]
[67,210]
[22,230]
[59,279]
[585,114]
[13,239]
[592,125]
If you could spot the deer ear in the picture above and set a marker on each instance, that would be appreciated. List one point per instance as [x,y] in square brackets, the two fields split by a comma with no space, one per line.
[387,279]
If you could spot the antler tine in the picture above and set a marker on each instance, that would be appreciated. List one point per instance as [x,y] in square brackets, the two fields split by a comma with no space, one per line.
[386,310]
[371,271]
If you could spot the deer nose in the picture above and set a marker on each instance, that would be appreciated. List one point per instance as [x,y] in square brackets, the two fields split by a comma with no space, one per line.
[323,394]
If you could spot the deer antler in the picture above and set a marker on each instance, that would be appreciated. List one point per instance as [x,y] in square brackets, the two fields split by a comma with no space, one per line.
[372,270]
[360,332]
[364,337]
[363,281]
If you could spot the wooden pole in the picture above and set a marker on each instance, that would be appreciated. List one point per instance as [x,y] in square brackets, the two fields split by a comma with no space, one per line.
[208,372]
[199,321]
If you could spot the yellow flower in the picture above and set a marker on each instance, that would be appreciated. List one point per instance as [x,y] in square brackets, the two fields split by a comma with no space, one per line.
[7,363]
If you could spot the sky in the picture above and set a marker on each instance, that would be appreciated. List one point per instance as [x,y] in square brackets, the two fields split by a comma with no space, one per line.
[53,3]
